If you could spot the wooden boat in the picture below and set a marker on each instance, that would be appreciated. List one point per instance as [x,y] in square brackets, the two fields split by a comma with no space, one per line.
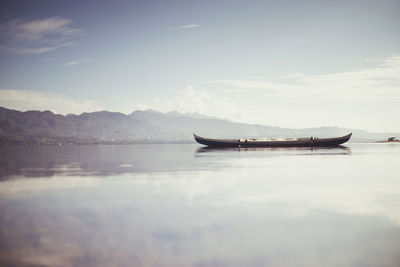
[288,142]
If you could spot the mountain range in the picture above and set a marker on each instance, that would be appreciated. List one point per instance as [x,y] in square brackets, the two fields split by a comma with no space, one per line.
[147,126]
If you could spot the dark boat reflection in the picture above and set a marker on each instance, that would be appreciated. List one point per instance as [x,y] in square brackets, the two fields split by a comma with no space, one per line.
[338,150]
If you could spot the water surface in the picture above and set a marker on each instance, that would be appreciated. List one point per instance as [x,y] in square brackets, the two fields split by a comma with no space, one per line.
[181,205]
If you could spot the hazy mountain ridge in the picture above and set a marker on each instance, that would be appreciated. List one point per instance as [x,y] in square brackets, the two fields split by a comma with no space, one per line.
[145,126]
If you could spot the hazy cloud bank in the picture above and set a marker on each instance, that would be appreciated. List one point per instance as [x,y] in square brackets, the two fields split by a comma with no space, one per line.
[195,101]
[367,98]
[382,81]
[30,100]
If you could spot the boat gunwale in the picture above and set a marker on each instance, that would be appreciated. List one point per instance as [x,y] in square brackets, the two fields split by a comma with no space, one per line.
[311,141]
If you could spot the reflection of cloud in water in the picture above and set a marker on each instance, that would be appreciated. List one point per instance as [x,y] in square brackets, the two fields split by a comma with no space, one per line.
[23,188]
[335,191]
[277,208]
[336,183]
[88,228]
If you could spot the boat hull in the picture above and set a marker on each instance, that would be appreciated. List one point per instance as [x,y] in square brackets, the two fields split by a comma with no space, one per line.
[298,142]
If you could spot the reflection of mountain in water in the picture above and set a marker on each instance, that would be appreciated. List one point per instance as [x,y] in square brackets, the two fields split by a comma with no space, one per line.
[72,160]
[47,161]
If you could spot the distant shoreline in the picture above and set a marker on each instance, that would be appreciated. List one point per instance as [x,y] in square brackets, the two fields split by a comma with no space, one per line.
[40,142]
[78,141]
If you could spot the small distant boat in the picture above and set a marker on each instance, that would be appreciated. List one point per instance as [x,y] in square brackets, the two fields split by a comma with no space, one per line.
[288,142]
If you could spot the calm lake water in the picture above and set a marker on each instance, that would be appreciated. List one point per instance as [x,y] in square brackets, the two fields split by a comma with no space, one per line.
[180,205]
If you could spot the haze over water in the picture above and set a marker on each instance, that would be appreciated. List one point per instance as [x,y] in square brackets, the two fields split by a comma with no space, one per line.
[181,205]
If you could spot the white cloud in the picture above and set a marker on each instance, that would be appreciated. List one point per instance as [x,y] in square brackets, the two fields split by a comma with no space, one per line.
[183,27]
[37,36]
[367,98]
[30,100]
[382,81]
[38,29]
[26,50]
[195,101]
[76,62]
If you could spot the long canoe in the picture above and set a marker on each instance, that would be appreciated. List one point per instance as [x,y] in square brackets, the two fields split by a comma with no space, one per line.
[288,142]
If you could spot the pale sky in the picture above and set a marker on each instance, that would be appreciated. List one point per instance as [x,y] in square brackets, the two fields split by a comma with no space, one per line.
[292,64]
